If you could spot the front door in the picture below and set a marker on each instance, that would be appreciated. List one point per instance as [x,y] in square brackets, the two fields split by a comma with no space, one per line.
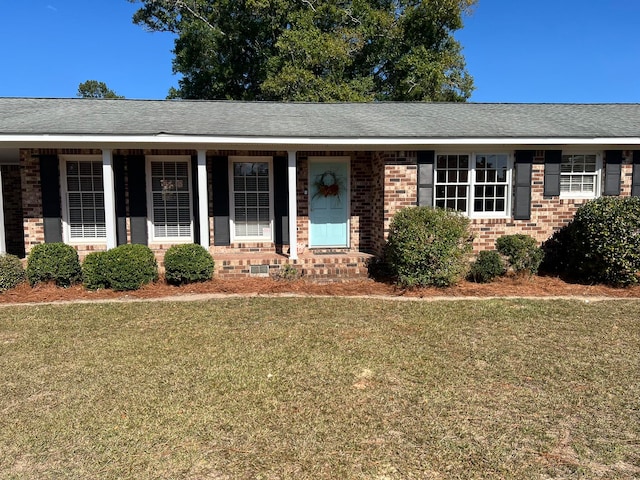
[329,202]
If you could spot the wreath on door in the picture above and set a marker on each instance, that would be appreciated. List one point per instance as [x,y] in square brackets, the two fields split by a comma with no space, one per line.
[327,185]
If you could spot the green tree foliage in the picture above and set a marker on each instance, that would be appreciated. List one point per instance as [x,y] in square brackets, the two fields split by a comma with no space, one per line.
[95,89]
[314,50]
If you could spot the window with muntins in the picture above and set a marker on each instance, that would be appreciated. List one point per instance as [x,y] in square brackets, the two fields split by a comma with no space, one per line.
[171,199]
[476,184]
[251,200]
[84,200]
[579,175]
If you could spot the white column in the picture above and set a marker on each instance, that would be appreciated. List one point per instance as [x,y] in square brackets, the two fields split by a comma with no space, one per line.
[293,206]
[203,199]
[3,239]
[109,198]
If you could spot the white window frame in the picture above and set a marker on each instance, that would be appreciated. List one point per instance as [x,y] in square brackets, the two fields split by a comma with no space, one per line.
[472,183]
[66,224]
[150,216]
[597,186]
[232,209]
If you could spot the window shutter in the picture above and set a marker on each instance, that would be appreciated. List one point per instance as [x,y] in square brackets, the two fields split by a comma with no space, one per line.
[635,179]
[281,200]
[612,172]
[121,199]
[195,204]
[522,191]
[425,177]
[220,184]
[51,205]
[137,199]
[552,165]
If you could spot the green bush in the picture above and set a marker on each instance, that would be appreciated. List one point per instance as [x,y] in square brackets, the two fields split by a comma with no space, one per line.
[187,264]
[53,262]
[487,266]
[428,246]
[11,272]
[128,267]
[603,241]
[93,271]
[522,253]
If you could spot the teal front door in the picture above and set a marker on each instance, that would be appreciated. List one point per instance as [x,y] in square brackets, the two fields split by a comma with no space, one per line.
[329,203]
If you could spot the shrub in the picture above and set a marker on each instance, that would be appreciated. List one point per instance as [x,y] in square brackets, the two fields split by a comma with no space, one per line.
[93,271]
[11,272]
[187,264]
[487,266]
[53,262]
[288,272]
[428,246]
[522,253]
[603,243]
[128,267]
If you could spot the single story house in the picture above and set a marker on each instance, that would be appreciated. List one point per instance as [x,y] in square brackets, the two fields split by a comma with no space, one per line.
[314,185]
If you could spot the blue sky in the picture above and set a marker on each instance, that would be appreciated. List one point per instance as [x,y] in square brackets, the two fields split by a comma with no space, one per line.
[517,51]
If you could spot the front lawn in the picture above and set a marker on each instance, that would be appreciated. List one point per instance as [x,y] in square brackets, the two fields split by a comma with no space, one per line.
[318,388]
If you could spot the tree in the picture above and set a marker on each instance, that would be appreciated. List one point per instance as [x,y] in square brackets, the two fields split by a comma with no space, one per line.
[314,50]
[95,89]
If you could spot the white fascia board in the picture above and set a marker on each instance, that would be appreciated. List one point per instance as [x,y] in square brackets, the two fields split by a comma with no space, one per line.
[195,142]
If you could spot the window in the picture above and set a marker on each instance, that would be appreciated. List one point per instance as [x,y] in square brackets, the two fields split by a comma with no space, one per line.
[477,184]
[83,199]
[580,175]
[251,205]
[170,190]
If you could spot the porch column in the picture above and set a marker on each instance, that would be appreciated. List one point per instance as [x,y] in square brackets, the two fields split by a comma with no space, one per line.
[3,239]
[293,206]
[203,199]
[109,198]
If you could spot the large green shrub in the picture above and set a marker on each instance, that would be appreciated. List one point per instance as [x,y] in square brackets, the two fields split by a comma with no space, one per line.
[53,262]
[428,246]
[187,263]
[128,267]
[94,272]
[602,242]
[11,272]
[522,253]
[487,266]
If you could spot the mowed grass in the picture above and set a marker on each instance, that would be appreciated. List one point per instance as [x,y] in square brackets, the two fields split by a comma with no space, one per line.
[308,388]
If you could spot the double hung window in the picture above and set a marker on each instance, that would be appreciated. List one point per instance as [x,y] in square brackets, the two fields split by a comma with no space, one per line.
[476,184]
[580,175]
[251,198]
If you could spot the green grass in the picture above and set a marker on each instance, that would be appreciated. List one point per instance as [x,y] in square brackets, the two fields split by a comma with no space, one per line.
[321,388]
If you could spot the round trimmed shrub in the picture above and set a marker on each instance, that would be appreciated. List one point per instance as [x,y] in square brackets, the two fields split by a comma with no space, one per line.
[522,253]
[93,271]
[187,264]
[128,267]
[428,247]
[487,266]
[53,262]
[11,272]
[603,243]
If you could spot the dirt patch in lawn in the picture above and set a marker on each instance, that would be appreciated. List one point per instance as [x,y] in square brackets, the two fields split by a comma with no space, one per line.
[538,286]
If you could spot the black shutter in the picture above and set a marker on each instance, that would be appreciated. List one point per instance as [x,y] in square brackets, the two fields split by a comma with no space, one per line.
[220,185]
[137,199]
[281,200]
[613,171]
[552,164]
[425,177]
[194,201]
[522,191]
[635,179]
[121,198]
[51,205]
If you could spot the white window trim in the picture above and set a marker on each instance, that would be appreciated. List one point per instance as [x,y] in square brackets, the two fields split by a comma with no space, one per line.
[150,223]
[232,210]
[64,202]
[472,183]
[598,174]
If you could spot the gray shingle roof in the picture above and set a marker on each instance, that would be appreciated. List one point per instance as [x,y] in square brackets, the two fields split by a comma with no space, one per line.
[33,116]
